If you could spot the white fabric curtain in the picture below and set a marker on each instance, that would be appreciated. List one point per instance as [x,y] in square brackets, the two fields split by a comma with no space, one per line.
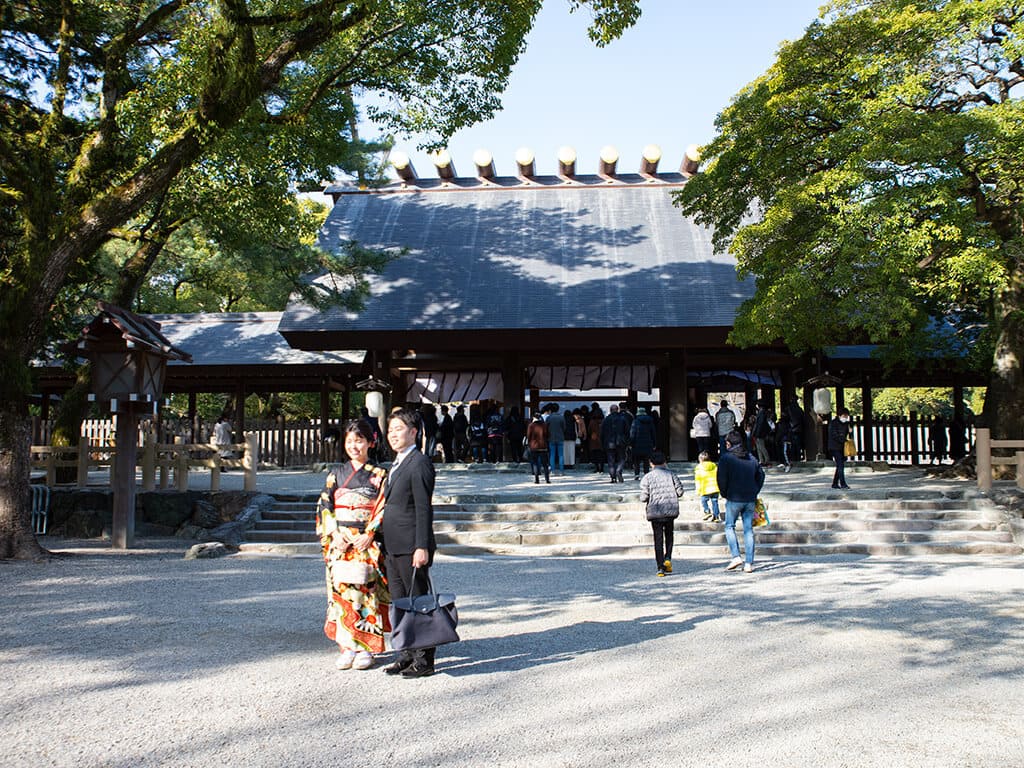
[453,387]
[639,378]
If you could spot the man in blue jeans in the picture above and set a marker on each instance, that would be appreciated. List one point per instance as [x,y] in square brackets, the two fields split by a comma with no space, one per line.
[740,478]
[556,427]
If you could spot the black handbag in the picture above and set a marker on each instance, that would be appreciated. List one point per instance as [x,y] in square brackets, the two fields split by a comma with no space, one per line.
[424,621]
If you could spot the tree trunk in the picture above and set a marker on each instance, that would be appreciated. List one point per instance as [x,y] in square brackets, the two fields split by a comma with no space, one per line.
[1004,400]
[16,537]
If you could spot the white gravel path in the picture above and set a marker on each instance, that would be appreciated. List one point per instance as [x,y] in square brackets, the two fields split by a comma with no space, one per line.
[145,659]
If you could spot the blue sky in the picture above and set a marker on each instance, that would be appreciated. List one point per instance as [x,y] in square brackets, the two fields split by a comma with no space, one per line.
[663,82]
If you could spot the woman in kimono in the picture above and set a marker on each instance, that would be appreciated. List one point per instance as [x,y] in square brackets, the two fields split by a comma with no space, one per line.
[349,514]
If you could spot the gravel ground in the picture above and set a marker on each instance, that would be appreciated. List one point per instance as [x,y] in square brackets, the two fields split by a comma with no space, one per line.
[146,659]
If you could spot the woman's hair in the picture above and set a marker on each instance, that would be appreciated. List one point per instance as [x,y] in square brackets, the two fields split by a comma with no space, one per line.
[704,456]
[361,428]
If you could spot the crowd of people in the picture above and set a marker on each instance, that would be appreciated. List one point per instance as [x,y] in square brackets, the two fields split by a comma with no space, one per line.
[550,441]
[376,525]
[772,438]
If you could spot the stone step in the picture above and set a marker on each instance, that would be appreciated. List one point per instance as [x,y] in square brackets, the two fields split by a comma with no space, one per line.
[690,552]
[625,512]
[764,536]
[275,537]
[286,525]
[566,524]
[628,521]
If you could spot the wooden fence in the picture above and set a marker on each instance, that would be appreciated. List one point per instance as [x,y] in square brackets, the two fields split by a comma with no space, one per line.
[986,460]
[159,461]
[898,440]
[295,444]
[904,439]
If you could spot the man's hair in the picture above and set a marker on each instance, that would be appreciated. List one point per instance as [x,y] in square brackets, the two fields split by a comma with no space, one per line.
[657,457]
[843,412]
[734,438]
[408,417]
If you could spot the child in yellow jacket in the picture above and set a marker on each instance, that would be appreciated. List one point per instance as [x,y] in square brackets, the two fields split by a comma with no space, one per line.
[705,477]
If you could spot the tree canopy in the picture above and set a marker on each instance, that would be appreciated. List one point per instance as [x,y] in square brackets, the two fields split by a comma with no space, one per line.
[872,180]
[107,103]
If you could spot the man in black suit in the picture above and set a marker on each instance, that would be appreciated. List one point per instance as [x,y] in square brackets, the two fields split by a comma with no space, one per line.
[408,527]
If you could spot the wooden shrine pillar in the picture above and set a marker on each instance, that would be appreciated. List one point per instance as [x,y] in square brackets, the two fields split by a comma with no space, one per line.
[326,449]
[194,427]
[239,421]
[868,440]
[677,413]
[129,361]
[511,391]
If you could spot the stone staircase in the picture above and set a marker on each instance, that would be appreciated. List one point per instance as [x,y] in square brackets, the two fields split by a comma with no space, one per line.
[288,528]
[890,522]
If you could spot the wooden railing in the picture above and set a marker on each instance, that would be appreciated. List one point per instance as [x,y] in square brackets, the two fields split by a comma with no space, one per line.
[904,439]
[986,460]
[159,462]
[286,444]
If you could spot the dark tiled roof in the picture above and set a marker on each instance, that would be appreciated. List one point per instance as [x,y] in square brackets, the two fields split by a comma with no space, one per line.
[239,339]
[135,331]
[588,255]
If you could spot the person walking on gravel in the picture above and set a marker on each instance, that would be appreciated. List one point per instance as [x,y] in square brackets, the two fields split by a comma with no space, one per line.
[660,490]
[740,479]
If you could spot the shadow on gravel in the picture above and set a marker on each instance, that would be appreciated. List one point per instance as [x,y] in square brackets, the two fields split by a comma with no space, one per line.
[529,650]
[164,618]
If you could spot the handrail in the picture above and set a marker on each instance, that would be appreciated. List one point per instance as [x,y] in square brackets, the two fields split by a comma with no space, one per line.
[163,457]
[986,460]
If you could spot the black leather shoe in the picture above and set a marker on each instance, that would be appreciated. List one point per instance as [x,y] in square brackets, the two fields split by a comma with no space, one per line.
[398,667]
[418,670]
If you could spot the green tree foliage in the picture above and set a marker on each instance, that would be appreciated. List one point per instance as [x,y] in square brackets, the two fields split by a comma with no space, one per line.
[873,181]
[107,103]
[924,401]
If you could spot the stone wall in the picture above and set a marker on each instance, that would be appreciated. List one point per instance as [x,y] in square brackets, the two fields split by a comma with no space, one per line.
[200,515]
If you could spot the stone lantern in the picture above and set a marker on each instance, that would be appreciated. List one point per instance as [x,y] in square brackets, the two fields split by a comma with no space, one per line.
[129,360]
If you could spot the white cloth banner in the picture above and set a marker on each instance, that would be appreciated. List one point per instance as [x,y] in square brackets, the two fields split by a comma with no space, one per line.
[639,378]
[453,386]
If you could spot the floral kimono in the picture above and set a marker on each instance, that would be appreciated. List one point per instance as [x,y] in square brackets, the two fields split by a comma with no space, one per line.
[352,503]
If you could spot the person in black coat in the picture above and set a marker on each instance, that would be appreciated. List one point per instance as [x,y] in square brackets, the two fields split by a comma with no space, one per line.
[643,437]
[838,431]
[408,528]
[614,436]
[446,435]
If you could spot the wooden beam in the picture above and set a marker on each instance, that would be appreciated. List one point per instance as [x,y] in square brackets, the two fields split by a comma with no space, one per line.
[403,166]
[691,161]
[525,162]
[484,162]
[608,160]
[678,407]
[443,163]
[567,162]
[649,160]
